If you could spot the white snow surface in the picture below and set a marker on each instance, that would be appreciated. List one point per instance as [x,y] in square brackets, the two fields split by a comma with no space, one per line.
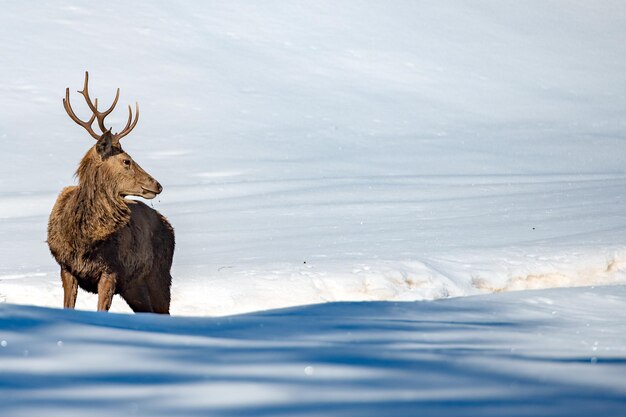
[547,353]
[316,152]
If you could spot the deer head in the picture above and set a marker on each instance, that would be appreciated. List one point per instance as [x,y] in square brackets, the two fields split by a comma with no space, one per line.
[106,163]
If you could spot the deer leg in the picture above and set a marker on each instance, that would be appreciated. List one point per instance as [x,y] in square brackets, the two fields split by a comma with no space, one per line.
[70,288]
[159,290]
[137,297]
[106,290]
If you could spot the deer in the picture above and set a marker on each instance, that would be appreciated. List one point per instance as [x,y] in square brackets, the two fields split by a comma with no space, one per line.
[103,242]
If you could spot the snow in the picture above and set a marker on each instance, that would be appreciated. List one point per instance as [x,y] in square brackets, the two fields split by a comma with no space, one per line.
[556,352]
[322,152]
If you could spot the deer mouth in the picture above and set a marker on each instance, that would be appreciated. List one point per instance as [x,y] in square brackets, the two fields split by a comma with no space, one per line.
[148,193]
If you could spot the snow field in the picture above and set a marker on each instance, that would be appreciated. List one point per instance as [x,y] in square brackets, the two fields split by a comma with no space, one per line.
[329,153]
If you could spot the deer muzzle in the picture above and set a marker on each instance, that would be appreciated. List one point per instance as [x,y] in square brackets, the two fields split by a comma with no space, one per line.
[151,190]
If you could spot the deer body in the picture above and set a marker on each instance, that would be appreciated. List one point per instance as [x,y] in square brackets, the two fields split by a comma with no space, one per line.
[103,242]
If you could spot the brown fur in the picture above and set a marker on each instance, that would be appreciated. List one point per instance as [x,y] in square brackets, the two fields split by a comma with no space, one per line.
[107,244]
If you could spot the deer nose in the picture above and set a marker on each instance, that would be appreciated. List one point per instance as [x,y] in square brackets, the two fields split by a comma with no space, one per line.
[159,188]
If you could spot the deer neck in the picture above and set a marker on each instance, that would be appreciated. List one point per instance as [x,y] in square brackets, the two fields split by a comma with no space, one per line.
[100,213]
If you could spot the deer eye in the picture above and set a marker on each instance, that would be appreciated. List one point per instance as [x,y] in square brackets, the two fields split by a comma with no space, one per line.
[126,162]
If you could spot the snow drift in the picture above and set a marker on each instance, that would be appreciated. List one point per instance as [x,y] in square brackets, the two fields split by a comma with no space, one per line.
[553,352]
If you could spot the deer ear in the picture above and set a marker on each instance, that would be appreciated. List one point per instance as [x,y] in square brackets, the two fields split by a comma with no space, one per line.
[104,147]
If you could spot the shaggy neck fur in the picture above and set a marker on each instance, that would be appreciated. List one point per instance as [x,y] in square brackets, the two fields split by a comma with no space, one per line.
[99,210]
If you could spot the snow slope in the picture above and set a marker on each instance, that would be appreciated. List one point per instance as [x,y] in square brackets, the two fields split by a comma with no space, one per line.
[546,353]
[322,152]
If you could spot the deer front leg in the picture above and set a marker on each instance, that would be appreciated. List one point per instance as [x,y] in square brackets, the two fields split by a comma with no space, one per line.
[106,290]
[70,288]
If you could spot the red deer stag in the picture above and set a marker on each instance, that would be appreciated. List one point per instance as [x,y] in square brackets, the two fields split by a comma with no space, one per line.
[103,242]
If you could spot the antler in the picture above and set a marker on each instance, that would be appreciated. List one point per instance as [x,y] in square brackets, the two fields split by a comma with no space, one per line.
[70,112]
[129,126]
[93,106]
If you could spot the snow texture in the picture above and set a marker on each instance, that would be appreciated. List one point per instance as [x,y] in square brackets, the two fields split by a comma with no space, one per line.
[554,352]
[323,152]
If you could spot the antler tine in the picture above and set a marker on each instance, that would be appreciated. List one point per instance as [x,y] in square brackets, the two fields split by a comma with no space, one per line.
[85,94]
[70,112]
[130,119]
[102,115]
[94,108]
[129,127]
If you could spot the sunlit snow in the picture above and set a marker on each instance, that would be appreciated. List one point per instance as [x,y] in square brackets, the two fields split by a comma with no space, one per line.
[316,152]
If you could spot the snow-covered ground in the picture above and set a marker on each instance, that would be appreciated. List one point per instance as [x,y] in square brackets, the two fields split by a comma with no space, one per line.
[329,151]
[554,352]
